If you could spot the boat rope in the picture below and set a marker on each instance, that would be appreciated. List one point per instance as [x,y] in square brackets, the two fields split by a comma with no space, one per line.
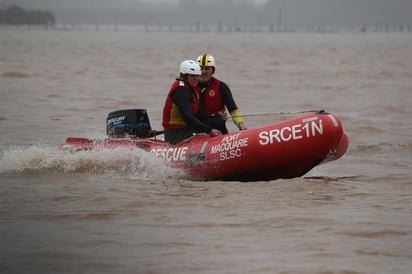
[277,113]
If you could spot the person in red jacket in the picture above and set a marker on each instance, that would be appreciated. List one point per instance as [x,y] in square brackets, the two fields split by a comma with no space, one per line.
[182,106]
[216,96]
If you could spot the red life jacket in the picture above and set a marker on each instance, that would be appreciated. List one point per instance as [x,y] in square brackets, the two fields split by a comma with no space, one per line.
[171,113]
[212,101]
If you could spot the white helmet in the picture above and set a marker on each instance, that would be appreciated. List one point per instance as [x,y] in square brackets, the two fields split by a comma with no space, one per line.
[206,60]
[190,67]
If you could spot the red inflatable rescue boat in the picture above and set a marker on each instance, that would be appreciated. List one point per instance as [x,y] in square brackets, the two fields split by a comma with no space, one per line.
[282,150]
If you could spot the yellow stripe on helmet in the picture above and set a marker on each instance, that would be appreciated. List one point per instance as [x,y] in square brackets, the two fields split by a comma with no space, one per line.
[205,59]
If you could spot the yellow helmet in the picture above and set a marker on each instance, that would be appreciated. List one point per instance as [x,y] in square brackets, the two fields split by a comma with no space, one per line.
[206,60]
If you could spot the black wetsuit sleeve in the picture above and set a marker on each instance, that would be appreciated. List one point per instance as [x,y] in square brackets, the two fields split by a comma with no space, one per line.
[201,115]
[182,97]
[227,97]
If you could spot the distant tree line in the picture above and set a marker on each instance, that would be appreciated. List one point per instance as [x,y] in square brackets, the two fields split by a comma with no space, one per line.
[15,15]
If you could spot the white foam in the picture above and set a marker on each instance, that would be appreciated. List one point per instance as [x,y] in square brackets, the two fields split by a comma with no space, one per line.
[134,163]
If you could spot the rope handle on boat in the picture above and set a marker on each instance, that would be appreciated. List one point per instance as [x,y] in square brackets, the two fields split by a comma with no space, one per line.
[279,113]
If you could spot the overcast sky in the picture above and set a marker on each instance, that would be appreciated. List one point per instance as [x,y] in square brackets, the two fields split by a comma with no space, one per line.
[235,12]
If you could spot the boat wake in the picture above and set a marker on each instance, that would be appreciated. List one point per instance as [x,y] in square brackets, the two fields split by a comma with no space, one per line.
[133,163]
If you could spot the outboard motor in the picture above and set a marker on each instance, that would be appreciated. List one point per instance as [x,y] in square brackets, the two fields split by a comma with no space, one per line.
[129,123]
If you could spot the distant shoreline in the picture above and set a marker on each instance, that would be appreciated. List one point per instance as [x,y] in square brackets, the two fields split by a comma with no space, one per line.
[15,15]
[207,29]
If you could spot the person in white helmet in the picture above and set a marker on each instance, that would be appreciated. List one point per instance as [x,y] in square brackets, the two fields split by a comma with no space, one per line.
[216,96]
[182,106]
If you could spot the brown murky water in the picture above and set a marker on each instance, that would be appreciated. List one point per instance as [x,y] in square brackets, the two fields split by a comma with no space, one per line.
[122,211]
